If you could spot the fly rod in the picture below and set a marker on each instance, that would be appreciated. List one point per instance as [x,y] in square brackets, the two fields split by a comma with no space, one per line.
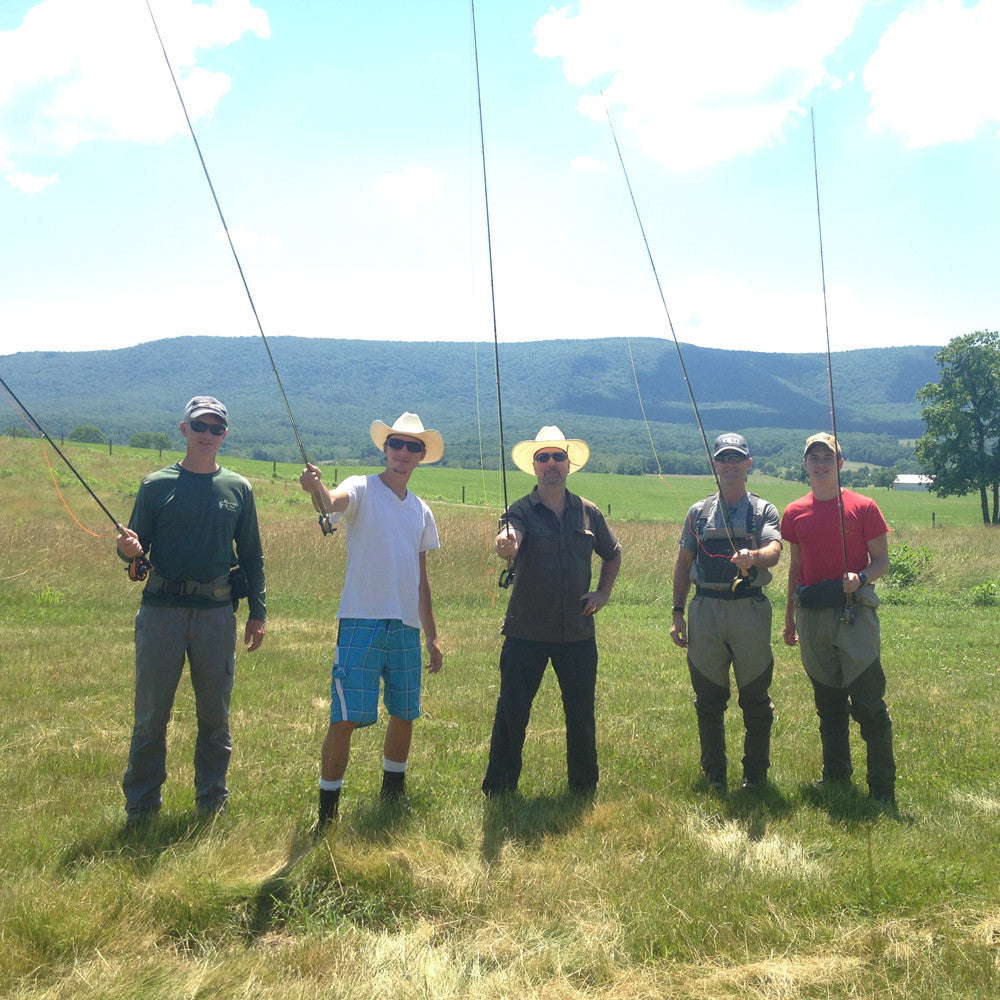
[849,610]
[673,334]
[318,499]
[137,567]
[507,575]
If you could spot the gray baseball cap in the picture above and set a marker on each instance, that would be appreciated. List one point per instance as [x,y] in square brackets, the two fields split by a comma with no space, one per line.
[730,442]
[201,405]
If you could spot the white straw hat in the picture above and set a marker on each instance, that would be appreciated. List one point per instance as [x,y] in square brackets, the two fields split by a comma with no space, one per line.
[411,425]
[523,453]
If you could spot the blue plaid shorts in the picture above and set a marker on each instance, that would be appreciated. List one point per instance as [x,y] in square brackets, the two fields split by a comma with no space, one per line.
[369,650]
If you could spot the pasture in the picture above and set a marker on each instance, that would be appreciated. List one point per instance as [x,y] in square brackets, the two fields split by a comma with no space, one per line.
[654,890]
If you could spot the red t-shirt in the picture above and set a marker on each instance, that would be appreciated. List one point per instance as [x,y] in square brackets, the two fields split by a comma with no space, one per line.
[814,525]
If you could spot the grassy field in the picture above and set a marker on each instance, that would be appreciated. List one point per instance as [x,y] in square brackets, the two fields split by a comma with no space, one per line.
[653,890]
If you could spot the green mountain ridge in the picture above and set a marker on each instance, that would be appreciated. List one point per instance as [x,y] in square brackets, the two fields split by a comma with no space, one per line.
[337,387]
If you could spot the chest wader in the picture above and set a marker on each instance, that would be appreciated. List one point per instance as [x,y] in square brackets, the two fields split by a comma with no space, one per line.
[713,570]
[718,579]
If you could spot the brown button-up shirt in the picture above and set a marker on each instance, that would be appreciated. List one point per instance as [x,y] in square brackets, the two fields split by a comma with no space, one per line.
[552,570]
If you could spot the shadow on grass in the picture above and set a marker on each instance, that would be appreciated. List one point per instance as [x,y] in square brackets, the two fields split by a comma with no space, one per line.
[512,817]
[848,806]
[377,820]
[138,845]
[754,808]
[276,890]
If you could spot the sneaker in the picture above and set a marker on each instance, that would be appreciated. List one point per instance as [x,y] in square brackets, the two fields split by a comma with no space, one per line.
[754,782]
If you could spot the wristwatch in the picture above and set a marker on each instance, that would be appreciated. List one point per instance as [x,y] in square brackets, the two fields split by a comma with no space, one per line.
[863,578]
[677,611]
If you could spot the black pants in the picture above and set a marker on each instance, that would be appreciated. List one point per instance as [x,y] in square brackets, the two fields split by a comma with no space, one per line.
[522,664]
[758,715]
[864,699]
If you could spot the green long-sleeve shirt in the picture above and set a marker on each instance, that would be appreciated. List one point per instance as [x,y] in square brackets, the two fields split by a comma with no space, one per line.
[197,526]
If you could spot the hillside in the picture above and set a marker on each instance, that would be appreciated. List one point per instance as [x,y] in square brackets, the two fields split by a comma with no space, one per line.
[336,387]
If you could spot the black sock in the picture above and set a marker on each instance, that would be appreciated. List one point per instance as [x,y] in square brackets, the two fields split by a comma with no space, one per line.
[329,805]
[393,784]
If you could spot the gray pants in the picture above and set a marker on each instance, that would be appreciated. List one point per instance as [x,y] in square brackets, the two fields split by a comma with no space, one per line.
[163,637]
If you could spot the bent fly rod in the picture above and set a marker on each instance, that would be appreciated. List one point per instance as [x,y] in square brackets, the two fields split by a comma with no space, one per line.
[319,500]
[507,575]
[849,610]
[677,346]
[138,567]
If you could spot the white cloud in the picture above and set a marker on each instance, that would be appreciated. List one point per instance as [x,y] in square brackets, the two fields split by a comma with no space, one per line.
[78,72]
[28,183]
[933,78]
[697,83]
[406,194]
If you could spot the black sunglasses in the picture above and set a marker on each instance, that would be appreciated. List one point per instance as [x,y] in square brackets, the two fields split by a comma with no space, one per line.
[415,446]
[557,456]
[199,427]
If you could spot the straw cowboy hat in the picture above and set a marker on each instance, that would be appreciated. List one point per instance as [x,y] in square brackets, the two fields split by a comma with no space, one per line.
[410,425]
[523,453]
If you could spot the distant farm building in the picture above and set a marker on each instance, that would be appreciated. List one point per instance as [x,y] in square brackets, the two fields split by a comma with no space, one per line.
[912,482]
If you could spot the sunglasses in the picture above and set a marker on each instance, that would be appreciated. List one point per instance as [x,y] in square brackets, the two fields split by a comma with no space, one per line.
[199,427]
[557,456]
[415,446]
[730,457]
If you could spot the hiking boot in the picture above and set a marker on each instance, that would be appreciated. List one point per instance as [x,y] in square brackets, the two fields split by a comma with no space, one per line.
[754,782]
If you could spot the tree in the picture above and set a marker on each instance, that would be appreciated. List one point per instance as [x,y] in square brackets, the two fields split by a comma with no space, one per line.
[962,413]
[149,439]
[87,434]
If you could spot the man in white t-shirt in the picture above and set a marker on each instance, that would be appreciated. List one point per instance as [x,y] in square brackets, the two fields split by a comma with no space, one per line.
[385,601]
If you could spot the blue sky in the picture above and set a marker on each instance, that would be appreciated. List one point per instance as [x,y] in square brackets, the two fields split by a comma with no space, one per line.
[343,141]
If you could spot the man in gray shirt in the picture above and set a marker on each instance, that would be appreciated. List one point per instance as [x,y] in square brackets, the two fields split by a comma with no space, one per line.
[728,545]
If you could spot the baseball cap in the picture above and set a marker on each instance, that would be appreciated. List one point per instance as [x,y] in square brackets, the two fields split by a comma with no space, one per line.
[827,440]
[200,405]
[730,442]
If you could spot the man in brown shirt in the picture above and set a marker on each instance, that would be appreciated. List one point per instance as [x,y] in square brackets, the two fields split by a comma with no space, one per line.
[551,535]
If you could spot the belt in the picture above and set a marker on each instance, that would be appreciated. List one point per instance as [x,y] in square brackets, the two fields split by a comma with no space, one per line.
[727,595]
[218,590]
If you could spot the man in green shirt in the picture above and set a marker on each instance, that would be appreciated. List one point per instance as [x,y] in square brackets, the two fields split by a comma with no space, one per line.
[196,521]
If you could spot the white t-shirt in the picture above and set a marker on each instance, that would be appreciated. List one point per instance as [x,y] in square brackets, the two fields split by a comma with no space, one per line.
[385,536]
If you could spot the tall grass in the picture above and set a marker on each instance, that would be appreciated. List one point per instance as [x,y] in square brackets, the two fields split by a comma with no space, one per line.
[655,889]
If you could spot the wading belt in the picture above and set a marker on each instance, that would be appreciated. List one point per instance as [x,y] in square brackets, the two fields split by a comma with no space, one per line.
[727,595]
[218,590]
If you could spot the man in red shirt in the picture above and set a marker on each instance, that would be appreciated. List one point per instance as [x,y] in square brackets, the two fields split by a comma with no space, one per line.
[834,558]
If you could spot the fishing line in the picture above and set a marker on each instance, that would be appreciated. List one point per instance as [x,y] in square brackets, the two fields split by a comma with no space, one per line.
[43,432]
[138,567]
[849,609]
[507,576]
[52,474]
[670,324]
[325,524]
